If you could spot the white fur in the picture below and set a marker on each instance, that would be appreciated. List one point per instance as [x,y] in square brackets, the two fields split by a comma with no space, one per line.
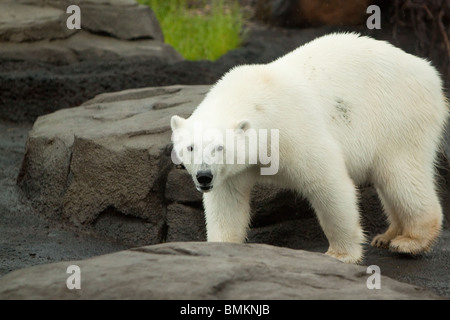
[350,110]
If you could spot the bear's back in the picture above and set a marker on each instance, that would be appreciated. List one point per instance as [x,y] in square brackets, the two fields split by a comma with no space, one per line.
[366,82]
[374,97]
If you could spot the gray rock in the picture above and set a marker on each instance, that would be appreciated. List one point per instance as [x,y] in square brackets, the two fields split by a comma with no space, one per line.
[85,46]
[111,155]
[181,188]
[111,29]
[65,3]
[272,205]
[123,19]
[185,223]
[206,271]
[112,224]
[127,23]
[20,23]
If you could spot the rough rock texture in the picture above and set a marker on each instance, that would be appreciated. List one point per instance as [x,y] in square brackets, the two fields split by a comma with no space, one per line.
[26,237]
[35,30]
[20,23]
[206,271]
[111,155]
[84,46]
[127,23]
[123,19]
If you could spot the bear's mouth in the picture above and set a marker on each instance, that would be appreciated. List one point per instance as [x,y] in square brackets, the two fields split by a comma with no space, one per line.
[204,189]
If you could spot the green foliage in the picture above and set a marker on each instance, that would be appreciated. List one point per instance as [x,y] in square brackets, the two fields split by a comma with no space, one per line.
[205,31]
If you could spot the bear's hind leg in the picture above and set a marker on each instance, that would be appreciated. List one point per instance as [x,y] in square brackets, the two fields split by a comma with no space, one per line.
[419,233]
[409,191]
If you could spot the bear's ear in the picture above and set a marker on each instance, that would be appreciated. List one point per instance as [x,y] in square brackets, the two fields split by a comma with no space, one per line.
[176,122]
[242,125]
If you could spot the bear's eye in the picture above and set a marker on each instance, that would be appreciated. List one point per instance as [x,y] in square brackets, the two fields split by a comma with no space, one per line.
[190,148]
[219,148]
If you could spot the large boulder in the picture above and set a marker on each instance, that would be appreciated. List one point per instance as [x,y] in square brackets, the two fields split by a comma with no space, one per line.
[123,19]
[21,23]
[207,271]
[93,165]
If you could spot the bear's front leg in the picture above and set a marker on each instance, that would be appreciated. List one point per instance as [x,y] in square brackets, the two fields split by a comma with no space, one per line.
[227,211]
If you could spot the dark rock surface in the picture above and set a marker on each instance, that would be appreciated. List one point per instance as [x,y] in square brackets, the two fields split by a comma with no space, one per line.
[26,237]
[194,271]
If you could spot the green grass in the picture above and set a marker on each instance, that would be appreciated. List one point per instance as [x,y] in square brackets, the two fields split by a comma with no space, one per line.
[205,32]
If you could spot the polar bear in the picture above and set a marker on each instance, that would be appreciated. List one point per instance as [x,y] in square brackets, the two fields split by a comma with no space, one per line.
[349,110]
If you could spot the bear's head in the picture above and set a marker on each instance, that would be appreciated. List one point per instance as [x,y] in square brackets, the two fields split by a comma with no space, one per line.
[218,141]
[210,153]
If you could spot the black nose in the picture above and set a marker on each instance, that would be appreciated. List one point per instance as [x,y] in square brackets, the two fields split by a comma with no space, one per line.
[204,177]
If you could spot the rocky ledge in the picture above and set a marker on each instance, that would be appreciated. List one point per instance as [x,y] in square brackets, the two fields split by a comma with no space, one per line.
[195,271]
[36,30]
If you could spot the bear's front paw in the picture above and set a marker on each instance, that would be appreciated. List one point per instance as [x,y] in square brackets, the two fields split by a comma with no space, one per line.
[354,257]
